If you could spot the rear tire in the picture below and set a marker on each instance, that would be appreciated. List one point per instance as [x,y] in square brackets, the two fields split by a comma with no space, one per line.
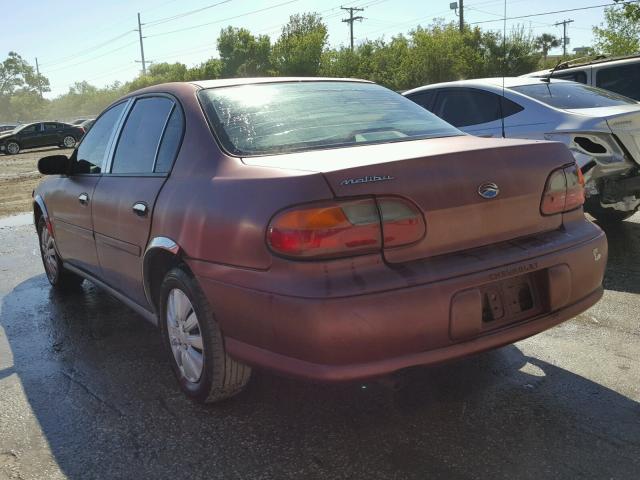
[68,142]
[194,342]
[58,276]
[603,215]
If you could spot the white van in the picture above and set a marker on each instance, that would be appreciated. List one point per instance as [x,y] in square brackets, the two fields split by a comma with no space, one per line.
[620,75]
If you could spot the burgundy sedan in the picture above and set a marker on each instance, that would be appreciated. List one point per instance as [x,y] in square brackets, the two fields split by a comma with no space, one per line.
[325,229]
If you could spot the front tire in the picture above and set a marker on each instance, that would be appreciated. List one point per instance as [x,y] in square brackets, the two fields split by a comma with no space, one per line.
[195,343]
[603,215]
[58,276]
[13,148]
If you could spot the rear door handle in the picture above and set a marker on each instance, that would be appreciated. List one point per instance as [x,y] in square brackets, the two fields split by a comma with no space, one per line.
[140,209]
[83,198]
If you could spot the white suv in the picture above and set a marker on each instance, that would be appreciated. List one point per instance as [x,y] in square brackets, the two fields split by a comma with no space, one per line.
[620,75]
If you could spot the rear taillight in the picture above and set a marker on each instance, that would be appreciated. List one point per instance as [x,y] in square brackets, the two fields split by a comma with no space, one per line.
[346,228]
[564,191]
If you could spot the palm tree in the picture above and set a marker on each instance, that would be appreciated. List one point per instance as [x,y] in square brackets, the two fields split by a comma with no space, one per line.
[546,42]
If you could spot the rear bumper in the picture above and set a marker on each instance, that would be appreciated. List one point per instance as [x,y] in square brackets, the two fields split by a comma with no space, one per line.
[332,373]
[365,335]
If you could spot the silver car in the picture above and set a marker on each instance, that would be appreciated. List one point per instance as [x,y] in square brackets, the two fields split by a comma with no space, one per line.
[601,128]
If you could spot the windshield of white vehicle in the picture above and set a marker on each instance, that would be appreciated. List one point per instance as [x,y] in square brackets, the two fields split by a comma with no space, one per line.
[573,95]
[270,118]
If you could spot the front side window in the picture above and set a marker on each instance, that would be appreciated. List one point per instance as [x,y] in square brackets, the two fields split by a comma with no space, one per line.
[283,117]
[140,137]
[51,126]
[622,79]
[30,128]
[91,152]
[572,95]
[424,99]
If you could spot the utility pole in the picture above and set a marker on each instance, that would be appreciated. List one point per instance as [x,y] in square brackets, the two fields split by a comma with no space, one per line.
[565,40]
[144,65]
[352,19]
[38,72]
[461,6]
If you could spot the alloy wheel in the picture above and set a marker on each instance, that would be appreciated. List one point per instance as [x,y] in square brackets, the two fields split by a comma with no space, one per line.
[49,255]
[185,335]
[69,141]
[13,148]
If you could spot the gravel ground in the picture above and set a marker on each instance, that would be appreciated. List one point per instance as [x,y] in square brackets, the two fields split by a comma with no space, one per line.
[19,176]
[86,392]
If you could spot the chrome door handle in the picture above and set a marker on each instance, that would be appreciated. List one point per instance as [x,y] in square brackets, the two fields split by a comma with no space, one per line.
[140,209]
[83,198]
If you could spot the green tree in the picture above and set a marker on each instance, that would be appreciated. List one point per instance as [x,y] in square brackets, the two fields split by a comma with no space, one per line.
[242,54]
[620,32]
[546,42]
[299,48]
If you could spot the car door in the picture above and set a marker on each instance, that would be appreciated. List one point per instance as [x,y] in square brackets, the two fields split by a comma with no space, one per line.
[50,134]
[69,200]
[472,110]
[28,137]
[126,195]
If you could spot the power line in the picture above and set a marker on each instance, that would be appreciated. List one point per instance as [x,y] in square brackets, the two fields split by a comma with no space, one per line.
[87,50]
[223,19]
[559,11]
[160,21]
[94,58]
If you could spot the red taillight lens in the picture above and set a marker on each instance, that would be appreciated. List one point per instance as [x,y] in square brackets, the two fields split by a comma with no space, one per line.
[337,229]
[327,230]
[564,191]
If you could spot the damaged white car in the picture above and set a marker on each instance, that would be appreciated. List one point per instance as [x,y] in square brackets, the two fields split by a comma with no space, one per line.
[601,128]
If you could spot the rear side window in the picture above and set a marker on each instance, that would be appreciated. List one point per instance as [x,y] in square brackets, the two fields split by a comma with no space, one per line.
[571,95]
[622,79]
[170,142]
[463,107]
[90,153]
[424,99]
[51,126]
[140,137]
[578,76]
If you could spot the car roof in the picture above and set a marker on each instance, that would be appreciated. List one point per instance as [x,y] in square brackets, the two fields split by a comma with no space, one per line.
[492,83]
[227,82]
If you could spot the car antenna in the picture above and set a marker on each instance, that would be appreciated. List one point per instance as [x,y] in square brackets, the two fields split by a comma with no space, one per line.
[504,64]
[548,79]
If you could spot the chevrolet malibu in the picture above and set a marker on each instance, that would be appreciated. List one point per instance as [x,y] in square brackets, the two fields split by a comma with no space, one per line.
[323,229]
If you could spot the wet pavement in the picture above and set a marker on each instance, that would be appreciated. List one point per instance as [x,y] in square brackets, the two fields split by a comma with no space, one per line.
[86,392]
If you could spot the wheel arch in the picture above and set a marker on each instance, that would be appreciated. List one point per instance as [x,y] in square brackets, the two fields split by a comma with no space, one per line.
[162,254]
[40,209]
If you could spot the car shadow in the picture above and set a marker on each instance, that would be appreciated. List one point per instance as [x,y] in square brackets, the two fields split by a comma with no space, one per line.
[99,384]
[623,267]
[28,151]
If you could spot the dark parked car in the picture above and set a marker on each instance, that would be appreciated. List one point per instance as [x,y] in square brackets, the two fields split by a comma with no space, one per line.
[323,229]
[43,134]
[7,127]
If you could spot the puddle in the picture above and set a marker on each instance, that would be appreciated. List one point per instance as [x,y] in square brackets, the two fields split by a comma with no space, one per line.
[16,220]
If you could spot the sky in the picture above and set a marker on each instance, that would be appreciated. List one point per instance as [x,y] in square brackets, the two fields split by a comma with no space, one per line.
[96,41]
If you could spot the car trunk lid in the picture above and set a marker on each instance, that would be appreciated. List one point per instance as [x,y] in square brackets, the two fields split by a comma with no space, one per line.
[443,177]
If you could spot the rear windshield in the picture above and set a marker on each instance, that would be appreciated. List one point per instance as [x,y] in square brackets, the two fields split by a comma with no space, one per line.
[573,95]
[270,118]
